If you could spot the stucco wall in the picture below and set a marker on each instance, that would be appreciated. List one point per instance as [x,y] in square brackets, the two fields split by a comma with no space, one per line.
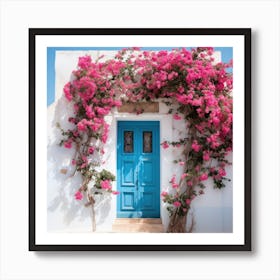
[211,212]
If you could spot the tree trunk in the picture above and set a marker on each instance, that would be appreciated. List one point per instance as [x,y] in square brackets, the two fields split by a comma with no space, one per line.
[93,220]
[177,223]
[91,203]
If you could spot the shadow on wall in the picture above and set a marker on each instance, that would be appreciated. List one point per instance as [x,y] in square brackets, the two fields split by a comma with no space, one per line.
[64,212]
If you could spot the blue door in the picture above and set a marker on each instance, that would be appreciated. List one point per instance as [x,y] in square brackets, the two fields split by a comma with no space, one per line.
[138,165]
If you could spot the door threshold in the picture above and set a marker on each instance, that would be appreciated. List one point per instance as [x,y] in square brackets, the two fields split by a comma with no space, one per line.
[138,225]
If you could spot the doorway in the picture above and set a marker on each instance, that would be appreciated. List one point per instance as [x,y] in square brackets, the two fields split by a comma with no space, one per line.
[138,169]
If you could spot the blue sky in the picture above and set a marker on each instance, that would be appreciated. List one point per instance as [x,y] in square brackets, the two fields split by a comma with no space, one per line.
[226,52]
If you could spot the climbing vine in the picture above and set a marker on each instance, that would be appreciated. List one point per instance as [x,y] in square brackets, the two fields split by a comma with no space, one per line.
[202,90]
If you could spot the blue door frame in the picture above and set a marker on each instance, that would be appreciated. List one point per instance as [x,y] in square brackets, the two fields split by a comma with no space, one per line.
[138,169]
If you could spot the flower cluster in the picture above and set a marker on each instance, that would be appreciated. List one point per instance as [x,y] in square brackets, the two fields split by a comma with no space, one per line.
[192,79]
[93,97]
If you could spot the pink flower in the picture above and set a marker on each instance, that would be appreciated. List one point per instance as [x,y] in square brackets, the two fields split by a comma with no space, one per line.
[164,194]
[82,125]
[67,91]
[182,99]
[185,209]
[197,168]
[76,133]
[104,138]
[83,165]
[222,172]
[176,117]
[180,88]
[76,108]
[206,156]
[85,159]
[203,177]
[177,204]
[90,114]
[229,149]
[172,75]
[184,175]
[95,126]
[189,183]
[68,144]
[71,120]
[102,111]
[117,103]
[84,62]
[175,186]
[181,163]
[197,102]
[173,179]
[195,146]
[215,121]
[163,76]
[105,185]
[91,150]
[78,195]
[213,140]
[225,130]
[73,162]
[188,201]
[220,86]
[165,145]
[115,192]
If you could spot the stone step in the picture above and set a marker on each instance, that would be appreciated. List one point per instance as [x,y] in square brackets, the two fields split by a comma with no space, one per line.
[137,228]
[138,225]
[138,221]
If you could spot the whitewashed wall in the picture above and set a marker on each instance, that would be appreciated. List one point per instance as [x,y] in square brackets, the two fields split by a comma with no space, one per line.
[211,212]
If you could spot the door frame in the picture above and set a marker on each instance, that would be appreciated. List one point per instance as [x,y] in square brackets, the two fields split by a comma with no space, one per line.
[143,124]
[166,156]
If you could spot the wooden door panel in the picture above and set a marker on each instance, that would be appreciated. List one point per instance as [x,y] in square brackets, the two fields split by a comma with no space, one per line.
[138,169]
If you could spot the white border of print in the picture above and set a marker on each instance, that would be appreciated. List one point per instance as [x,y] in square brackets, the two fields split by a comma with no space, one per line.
[43,237]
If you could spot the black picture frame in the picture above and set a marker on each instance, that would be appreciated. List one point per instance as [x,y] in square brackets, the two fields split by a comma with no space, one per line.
[33,165]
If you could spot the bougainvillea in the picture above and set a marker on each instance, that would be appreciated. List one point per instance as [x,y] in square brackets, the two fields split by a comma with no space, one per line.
[201,90]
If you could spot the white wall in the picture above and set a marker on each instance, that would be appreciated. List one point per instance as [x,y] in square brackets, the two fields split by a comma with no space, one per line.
[211,212]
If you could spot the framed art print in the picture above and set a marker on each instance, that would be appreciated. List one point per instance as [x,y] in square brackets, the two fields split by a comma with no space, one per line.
[140,139]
